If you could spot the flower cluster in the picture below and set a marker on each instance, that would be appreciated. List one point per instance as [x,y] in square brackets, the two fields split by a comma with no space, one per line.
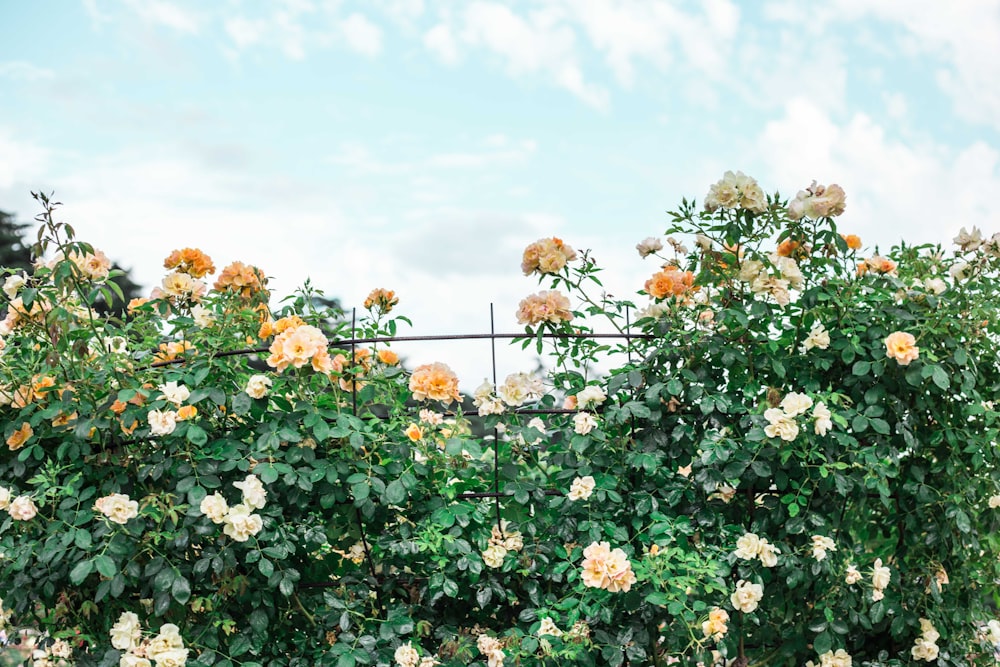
[245,281]
[817,201]
[715,627]
[239,521]
[492,649]
[546,256]
[752,546]
[407,656]
[166,649]
[781,420]
[606,568]
[381,300]
[501,542]
[736,190]
[299,345]
[20,508]
[776,285]
[881,577]
[436,382]
[925,648]
[55,654]
[820,545]
[550,306]
[671,282]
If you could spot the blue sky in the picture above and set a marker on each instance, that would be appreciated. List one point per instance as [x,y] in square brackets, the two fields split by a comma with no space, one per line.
[421,144]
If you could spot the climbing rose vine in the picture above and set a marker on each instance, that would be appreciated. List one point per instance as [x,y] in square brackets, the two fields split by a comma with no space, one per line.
[790,459]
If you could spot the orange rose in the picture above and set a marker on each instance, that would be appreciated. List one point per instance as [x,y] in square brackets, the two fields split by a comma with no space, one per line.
[20,436]
[435,381]
[381,299]
[902,347]
[388,357]
[413,432]
[853,241]
[191,261]
[787,247]
[243,279]
[186,412]
[671,281]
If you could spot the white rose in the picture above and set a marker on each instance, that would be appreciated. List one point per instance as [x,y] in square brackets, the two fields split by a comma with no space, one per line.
[494,555]
[407,656]
[175,393]
[795,404]
[162,423]
[584,423]
[118,507]
[747,546]
[746,596]
[994,501]
[214,507]
[818,337]
[853,575]
[820,545]
[881,576]
[969,240]
[935,286]
[781,425]
[923,649]
[254,494]
[581,488]
[959,271]
[175,657]
[13,285]
[5,497]
[126,632]
[768,553]
[823,419]
[646,247]
[22,508]
[240,524]
[257,386]
[130,660]
[590,396]
[203,317]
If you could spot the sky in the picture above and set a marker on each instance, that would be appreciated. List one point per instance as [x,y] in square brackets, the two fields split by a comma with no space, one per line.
[420,145]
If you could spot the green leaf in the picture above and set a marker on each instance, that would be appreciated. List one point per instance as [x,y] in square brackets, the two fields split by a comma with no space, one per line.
[105,566]
[181,589]
[940,378]
[81,538]
[861,368]
[395,493]
[196,435]
[241,403]
[823,642]
[266,567]
[81,571]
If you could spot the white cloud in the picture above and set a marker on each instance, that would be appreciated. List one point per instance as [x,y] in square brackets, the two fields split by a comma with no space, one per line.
[170,14]
[20,70]
[440,41]
[536,44]
[23,162]
[361,35]
[925,190]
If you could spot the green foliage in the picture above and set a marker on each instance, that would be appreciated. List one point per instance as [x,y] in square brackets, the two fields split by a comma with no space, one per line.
[754,395]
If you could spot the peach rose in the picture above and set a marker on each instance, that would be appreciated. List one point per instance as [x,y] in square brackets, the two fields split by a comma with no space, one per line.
[20,436]
[547,306]
[546,256]
[436,382]
[671,281]
[902,347]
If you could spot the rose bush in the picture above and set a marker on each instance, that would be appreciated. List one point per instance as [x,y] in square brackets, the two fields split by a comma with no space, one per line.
[791,460]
